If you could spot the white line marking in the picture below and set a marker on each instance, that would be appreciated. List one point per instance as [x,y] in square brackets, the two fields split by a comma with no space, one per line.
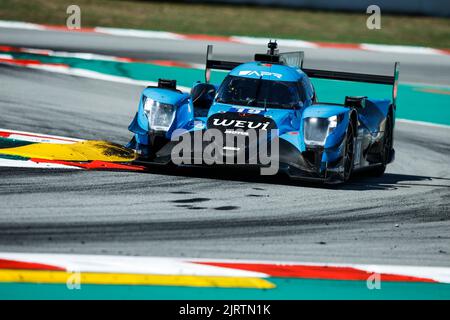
[20,25]
[36,137]
[139,33]
[98,76]
[424,84]
[134,265]
[399,49]
[10,163]
[6,56]
[282,42]
[423,123]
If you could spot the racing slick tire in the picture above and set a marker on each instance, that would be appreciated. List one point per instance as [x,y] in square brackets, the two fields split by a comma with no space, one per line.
[388,142]
[349,153]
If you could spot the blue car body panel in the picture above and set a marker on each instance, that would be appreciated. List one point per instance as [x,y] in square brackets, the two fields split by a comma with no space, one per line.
[140,124]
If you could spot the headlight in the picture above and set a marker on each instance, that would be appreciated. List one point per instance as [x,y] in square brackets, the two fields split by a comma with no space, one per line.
[316,130]
[160,115]
[333,121]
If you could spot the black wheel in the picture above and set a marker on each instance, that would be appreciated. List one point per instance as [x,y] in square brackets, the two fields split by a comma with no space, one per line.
[349,152]
[388,143]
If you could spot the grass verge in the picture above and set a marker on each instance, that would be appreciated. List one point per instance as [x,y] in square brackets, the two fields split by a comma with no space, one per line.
[236,20]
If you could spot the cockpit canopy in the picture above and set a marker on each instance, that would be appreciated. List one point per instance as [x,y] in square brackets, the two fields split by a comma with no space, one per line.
[254,92]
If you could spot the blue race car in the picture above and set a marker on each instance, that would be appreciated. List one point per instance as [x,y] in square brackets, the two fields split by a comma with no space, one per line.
[316,141]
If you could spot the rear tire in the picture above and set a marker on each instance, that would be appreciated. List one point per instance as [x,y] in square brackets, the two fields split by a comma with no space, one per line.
[349,153]
[388,143]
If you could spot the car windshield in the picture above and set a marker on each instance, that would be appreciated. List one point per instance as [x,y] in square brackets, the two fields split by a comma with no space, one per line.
[258,93]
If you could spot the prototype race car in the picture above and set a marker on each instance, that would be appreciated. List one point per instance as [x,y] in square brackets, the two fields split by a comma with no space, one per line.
[273,95]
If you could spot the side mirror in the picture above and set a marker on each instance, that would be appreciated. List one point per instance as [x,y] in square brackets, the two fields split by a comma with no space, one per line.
[355,102]
[202,95]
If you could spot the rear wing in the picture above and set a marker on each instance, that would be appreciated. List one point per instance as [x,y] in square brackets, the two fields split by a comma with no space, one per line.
[312,73]
[294,59]
[359,77]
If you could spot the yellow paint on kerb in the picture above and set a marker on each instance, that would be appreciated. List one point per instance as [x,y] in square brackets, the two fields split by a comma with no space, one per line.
[34,276]
[80,151]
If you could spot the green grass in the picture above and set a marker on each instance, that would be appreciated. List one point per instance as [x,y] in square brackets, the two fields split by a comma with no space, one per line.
[236,20]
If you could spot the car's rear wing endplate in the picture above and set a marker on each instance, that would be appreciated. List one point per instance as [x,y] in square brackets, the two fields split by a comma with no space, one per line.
[359,77]
[216,64]
[293,59]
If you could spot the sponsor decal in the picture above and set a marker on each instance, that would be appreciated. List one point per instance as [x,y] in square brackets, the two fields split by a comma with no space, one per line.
[237,132]
[243,124]
[244,111]
[260,74]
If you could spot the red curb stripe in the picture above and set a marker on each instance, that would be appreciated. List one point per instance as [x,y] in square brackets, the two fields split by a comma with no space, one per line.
[94,165]
[8,49]
[12,264]
[206,37]
[357,46]
[444,51]
[313,272]
[119,59]
[338,45]
[64,28]
[25,62]
[21,61]
[28,62]
[170,63]
[125,59]
[24,50]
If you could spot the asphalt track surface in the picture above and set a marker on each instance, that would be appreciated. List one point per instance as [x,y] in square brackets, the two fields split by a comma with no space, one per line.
[417,68]
[401,218]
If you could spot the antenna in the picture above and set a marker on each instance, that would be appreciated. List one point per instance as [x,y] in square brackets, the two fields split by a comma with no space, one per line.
[273,47]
